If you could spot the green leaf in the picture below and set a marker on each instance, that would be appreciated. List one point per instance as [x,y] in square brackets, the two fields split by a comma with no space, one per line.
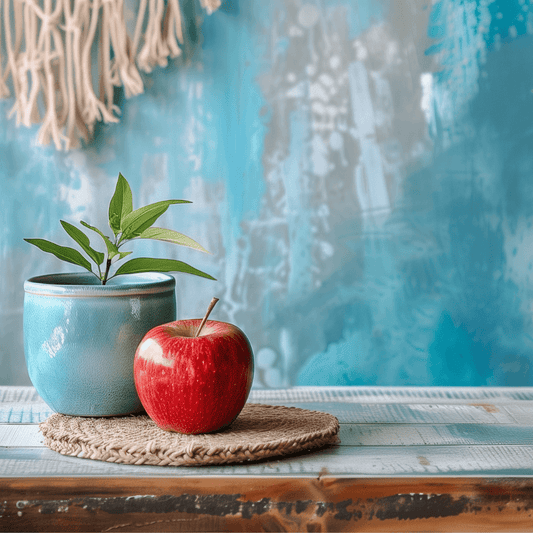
[168,235]
[147,264]
[84,242]
[121,204]
[140,219]
[112,250]
[61,252]
[121,255]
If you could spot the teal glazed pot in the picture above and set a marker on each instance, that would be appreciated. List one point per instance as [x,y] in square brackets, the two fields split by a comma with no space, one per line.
[80,338]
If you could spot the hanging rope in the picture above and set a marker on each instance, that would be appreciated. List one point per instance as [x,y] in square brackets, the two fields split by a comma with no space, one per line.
[47,49]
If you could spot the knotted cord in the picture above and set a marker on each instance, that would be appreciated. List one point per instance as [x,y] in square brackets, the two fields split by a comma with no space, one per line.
[47,49]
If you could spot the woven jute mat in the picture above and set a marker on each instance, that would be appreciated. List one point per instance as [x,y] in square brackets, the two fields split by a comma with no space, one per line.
[259,432]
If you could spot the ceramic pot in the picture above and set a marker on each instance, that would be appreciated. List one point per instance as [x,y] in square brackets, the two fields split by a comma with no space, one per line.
[80,338]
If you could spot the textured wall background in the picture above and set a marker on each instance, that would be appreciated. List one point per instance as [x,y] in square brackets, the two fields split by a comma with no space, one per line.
[360,169]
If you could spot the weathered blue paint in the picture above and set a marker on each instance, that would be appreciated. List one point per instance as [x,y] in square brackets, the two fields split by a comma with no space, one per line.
[238,125]
[361,171]
[299,227]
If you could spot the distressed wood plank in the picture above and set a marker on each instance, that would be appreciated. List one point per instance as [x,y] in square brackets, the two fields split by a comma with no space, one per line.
[18,394]
[24,412]
[254,504]
[523,414]
[359,394]
[23,405]
[28,435]
[415,459]
[402,413]
[434,435]
[440,395]
[378,413]
[20,435]
[363,461]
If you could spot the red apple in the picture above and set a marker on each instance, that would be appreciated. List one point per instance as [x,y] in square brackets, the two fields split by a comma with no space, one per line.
[192,384]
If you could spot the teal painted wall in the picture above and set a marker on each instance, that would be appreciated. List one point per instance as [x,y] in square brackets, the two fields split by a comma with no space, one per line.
[362,171]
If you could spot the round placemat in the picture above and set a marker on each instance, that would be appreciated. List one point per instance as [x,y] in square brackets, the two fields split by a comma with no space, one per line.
[259,432]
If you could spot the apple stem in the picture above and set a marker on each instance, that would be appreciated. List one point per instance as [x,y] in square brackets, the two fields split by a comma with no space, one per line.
[209,309]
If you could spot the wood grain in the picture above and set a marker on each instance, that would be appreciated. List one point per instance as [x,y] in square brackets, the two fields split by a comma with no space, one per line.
[23,404]
[360,394]
[349,461]
[405,413]
[28,435]
[360,413]
[410,459]
[324,503]
[20,436]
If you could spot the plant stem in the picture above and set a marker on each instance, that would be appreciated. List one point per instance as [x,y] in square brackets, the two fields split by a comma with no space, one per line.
[209,309]
[107,267]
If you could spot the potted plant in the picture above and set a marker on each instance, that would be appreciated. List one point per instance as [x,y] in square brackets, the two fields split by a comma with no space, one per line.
[81,330]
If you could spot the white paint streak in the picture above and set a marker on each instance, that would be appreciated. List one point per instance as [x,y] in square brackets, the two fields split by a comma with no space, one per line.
[317,91]
[369,174]
[286,344]
[335,62]
[467,24]
[319,156]
[308,15]
[362,106]
[426,102]
[295,31]
[326,80]
[360,50]
[298,91]
[77,197]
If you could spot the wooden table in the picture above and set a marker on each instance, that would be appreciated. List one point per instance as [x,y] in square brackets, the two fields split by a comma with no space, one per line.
[410,459]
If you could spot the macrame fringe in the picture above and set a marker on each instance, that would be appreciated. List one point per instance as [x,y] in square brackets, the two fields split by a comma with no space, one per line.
[47,46]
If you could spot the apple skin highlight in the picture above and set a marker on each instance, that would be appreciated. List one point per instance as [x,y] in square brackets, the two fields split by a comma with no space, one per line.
[193,384]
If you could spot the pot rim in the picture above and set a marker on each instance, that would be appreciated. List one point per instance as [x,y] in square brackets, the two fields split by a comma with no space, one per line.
[86,285]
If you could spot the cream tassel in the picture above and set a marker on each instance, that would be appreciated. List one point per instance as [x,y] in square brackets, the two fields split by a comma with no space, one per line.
[173,30]
[155,51]
[4,91]
[47,58]
[210,5]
